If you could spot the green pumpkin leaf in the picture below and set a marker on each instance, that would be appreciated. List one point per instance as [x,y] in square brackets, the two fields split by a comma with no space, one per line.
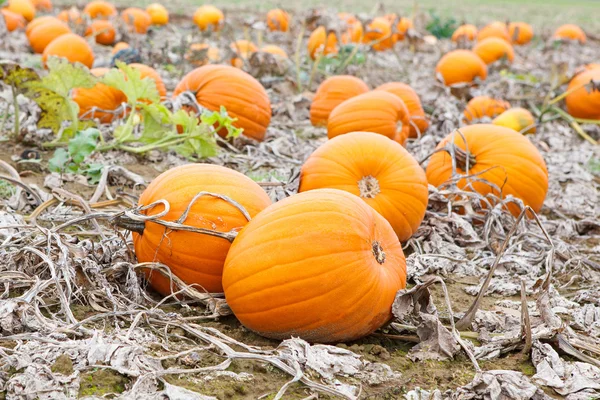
[83,144]
[129,81]
[157,122]
[59,160]
[93,172]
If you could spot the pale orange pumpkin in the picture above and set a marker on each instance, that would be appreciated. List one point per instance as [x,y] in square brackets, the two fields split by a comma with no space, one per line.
[326,269]
[275,50]
[585,101]
[484,106]
[278,20]
[570,32]
[495,29]
[45,33]
[378,33]
[72,47]
[461,66]
[24,8]
[321,42]
[208,17]
[195,57]
[100,9]
[137,20]
[72,16]
[37,22]
[103,31]
[332,92]
[42,5]
[466,32]
[418,121]
[120,46]
[158,14]
[12,20]
[520,32]
[517,119]
[494,49]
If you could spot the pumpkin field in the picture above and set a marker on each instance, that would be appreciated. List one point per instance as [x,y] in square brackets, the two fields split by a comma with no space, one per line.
[240,201]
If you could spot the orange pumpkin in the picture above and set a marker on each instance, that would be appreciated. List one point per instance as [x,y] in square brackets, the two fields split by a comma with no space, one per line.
[72,16]
[493,49]
[24,8]
[587,67]
[331,273]
[585,101]
[72,47]
[42,5]
[195,258]
[94,102]
[502,157]
[45,33]
[119,46]
[495,29]
[37,22]
[378,33]
[354,29]
[517,119]
[460,66]
[321,42]
[278,20]
[484,106]
[103,31]
[379,171]
[158,14]
[243,50]
[208,17]
[401,28]
[520,32]
[12,20]
[377,111]
[137,19]
[195,57]
[242,96]
[418,120]
[100,9]
[466,32]
[275,50]
[332,92]
[570,32]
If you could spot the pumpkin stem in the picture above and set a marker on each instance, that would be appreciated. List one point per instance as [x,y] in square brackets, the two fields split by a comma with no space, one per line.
[461,157]
[369,187]
[378,252]
[123,221]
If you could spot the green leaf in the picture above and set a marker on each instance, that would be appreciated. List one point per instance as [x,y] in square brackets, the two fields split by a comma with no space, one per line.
[64,76]
[83,144]
[93,172]
[157,121]
[221,120]
[129,81]
[59,160]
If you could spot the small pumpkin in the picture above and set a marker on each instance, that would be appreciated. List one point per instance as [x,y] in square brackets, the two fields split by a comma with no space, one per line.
[354,29]
[484,106]
[195,258]
[100,9]
[460,66]
[570,32]
[24,8]
[493,49]
[517,119]
[45,33]
[243,50]
[200,54]
[72,47]
[275,50]
[465,33]
[208,17]
[378,33]
[402,27]
[500,156]
[587,67]
[379,171]
[242,96]
[331,93]
[321,42]
[95,102]
[136,19]
[520,32]
[418,121]
[495,29]
[585,101]
[278,20]
[37,22]
[103,31]
[72,16]
[120,46]
[42,5]
[12,20]
[331,273]
[158,14]
[377,111]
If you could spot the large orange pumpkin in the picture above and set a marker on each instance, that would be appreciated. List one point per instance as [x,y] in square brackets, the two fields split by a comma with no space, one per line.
[520,32]
[25,8]
[42,5]
[484,106]
[321,42]
[208,17]
[278,20]
[100,9]
[45,33]
[72,16]
[137,20]
[242,96]
[72,47]
[460,66]
[195,258]
[517,119]
[466,32]
[502,157]
[158,14]
[94,102]
[377,111]
[493,49]
[37,22]
[103,31]
[418,120]
[585,101]
[332,92]
[570,32]
[320,265]
[12,20]
[378,33]
[495,29]
[379,171]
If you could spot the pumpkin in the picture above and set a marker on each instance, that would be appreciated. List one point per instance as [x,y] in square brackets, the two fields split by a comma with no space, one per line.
[275,50]
[379,171]
[42,5]
[72,16]
[12,20]
[321,42]
[100,9]
[200,54]
[195,258]
[158,14]
[460,66]
[37,22]
[570,32]
[466,32]
[418,121]
[520,32]
[45,33]
[495,29]
[119,46]
[587,67]
[403,25]
[354,29]
[326,270]
[72,47]
[484,106]
[278,20]
[377,111]
[137,19]
[243,50]
[208,16]
[100,97]
[492,49]
[242,96]
[149,72]
[24,8]
[517,119]
[332,92]
[502,157]
[378,33]
[103,31]
[585,101]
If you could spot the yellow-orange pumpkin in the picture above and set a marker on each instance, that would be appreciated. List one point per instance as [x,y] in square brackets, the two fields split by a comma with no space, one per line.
[137,20]
[72,47]
[466,32]
[72,16]
[378,33]
[275,50]
[495,29]
[517,119]
[100,9]
[493,49]
[12,20]
[401,28]
[45,33]
[570,32]
[120,46]
[484,106]
[103,31]
[332,92]
[42,5]
[461,66]
[208,17]
[585,101]
[321,42]
[158,14]
[354,29]
[418,120]
[520,32]
[320,265]
[278,20]
[24,8]
[37,22]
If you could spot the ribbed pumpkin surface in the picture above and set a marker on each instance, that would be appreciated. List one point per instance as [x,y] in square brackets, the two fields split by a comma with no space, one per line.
[332,92]
[419,122]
